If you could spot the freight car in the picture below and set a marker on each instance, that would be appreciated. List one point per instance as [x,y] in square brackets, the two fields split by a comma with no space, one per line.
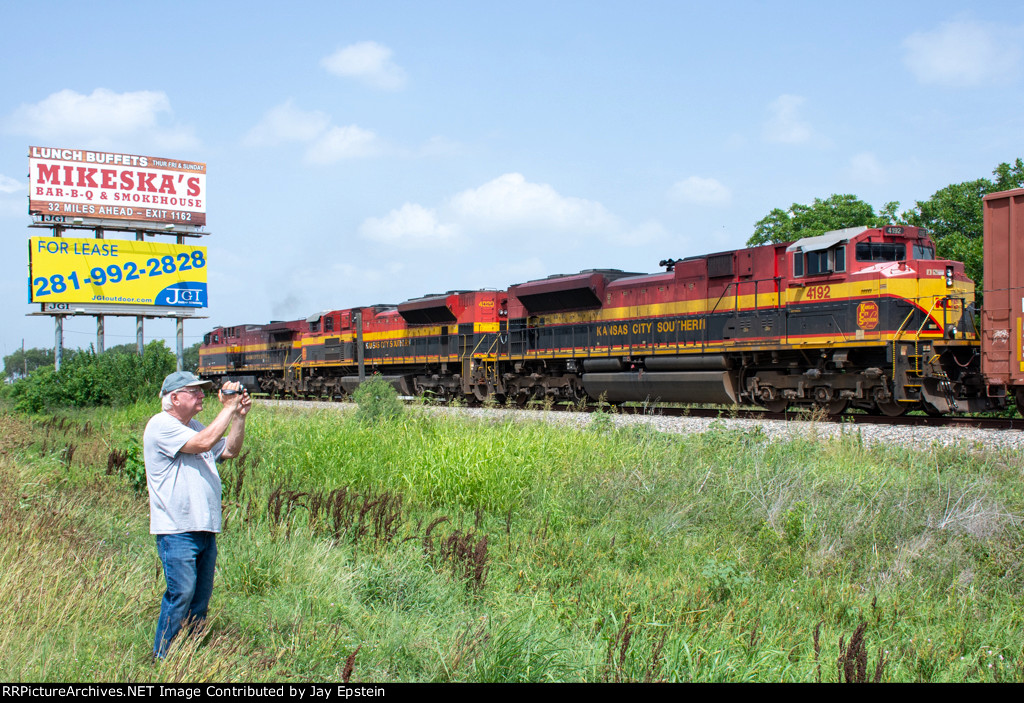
[1002,321]
[861,317]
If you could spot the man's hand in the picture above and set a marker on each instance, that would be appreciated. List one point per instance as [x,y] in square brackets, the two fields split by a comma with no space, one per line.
[233,399]
[244,403]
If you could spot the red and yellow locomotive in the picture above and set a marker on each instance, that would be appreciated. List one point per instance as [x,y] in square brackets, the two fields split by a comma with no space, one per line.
[856,317]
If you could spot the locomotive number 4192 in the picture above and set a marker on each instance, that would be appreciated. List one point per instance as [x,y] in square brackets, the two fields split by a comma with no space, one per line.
[819,292]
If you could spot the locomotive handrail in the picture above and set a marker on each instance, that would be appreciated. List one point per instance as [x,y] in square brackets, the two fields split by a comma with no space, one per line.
[489,366]
[895,338]
[777,280]
[935,301]
[917,340]
[730,285]
[917,336]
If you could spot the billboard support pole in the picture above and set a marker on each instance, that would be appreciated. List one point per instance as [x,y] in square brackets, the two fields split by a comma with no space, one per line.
[58,323]
[139,342]
[181,344]
[99,318]
[58,341]
[180,330]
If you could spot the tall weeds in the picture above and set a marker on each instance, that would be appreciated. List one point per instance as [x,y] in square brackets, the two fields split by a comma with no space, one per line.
[420,549]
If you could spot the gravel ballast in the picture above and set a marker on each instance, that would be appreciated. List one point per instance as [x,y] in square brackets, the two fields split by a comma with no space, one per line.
[903,435]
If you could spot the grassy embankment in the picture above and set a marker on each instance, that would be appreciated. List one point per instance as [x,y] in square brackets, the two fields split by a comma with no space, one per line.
[439,550]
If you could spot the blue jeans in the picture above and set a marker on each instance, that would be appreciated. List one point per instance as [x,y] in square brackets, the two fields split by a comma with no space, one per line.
[188,559]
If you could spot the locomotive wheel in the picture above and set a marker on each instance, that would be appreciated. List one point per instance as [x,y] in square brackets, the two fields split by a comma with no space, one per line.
[891,408]
[778,405]
[836,407]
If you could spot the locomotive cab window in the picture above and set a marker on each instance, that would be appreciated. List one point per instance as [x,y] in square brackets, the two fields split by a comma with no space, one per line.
[924,253]
[881,251]
[816,263]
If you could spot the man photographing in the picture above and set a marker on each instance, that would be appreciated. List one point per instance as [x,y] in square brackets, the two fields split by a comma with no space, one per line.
[184,493]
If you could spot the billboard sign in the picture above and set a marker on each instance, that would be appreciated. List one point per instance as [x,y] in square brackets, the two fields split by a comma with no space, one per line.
[116,271]
[98,185]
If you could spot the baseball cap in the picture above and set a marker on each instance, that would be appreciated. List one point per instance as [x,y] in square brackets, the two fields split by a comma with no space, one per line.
[181,379]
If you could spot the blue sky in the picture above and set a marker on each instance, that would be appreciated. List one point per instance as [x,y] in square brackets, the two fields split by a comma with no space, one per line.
[361,153]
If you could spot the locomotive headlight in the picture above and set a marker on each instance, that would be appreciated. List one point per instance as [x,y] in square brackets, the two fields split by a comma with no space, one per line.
[949,277]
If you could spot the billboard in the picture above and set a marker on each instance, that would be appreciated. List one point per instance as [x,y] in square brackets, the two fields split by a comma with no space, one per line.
[99,185]
[116,271]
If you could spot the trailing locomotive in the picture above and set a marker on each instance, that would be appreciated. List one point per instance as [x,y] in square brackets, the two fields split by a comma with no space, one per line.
[861,317]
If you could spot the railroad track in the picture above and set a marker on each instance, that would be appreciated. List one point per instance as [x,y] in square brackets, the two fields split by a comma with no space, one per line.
[986,423]
[953,421]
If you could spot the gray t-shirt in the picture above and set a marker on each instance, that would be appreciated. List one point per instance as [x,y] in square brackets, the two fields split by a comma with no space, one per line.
[184,489]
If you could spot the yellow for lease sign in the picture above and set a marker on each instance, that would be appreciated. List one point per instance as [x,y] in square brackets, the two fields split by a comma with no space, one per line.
[79,270]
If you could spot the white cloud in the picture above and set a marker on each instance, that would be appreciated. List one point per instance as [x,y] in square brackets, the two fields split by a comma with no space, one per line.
[700,191]
[326,143]
[104,119]
[535,213]
[964,53]
[509,201]
[349,142]
[287,123]
[10,185]
[411,224]
[368,62]
[786,124]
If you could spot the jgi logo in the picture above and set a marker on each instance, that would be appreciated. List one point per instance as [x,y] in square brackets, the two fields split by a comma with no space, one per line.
[183,295]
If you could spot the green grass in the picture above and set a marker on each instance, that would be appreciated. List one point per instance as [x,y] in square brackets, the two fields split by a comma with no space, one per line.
[447,550]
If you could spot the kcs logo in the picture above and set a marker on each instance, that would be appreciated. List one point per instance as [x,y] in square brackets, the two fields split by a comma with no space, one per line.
[867,315]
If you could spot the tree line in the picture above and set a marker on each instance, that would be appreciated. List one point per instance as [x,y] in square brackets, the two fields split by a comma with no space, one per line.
[952,214]
[118,376]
